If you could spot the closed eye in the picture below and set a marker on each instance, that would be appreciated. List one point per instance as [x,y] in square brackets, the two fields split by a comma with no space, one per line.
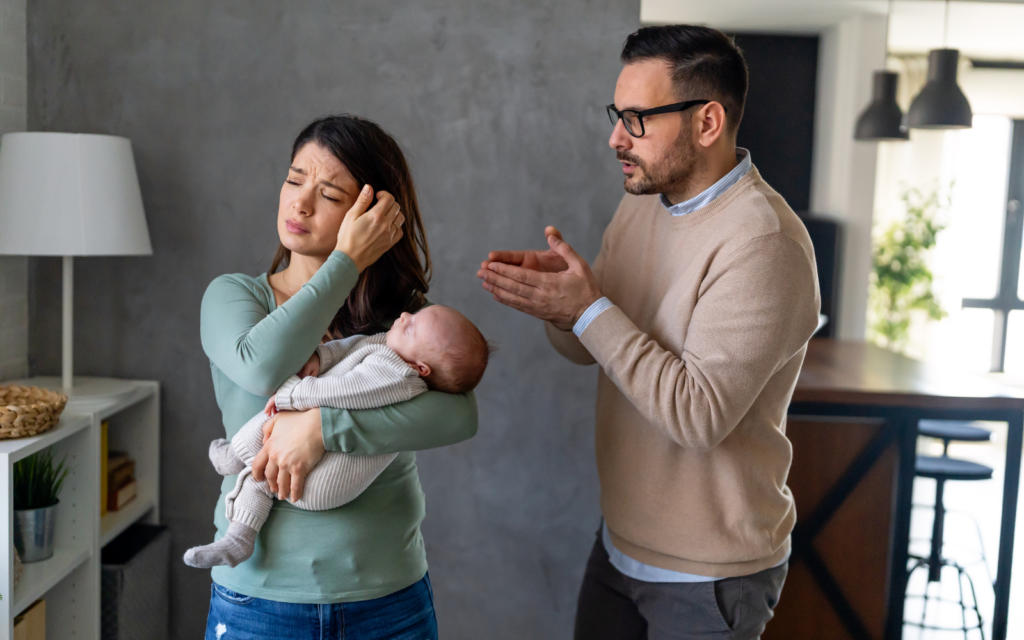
[327,197]
[293,182]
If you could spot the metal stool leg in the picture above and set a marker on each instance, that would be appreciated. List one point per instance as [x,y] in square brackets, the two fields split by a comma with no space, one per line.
[935,558]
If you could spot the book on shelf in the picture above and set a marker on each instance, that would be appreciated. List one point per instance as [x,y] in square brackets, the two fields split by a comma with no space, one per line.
[121,470]
[31,623]
[104,464]
[121,486]
[122,495]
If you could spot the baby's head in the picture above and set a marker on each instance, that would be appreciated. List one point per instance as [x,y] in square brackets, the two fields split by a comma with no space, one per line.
[446,348]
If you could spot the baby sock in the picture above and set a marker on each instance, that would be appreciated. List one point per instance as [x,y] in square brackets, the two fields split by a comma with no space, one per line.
[236,546]
[224,458]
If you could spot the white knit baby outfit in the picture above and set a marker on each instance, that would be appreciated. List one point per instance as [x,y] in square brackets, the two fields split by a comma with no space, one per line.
[359,372]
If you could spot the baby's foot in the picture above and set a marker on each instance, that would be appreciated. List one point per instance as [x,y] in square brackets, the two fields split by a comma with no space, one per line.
[235,547]
[224,458]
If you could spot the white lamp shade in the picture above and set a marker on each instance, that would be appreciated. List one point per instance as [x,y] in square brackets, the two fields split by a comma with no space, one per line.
[70,194]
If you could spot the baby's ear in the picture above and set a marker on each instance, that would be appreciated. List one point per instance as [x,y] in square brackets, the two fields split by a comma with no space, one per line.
[423,368]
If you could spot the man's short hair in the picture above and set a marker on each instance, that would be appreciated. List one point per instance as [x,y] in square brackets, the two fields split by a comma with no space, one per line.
[705,64]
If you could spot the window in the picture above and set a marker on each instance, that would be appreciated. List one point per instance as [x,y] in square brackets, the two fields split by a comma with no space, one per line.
[1007,352]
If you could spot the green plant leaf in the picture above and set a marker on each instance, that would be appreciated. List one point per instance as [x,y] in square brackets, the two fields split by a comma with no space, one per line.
[901,280]
[38,481]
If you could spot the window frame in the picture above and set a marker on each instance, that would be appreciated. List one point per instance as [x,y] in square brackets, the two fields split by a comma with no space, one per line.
[1007,297]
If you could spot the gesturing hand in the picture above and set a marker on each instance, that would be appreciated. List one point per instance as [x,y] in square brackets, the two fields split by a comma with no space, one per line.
[547,261]
[558,295]
[366,235]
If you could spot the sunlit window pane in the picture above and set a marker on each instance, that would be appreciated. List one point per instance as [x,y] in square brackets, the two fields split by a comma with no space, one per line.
[974,238]
[1015,343]
[962,341]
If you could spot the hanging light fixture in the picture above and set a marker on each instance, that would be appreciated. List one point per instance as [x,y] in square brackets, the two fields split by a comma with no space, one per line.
[883,118]
[941,104]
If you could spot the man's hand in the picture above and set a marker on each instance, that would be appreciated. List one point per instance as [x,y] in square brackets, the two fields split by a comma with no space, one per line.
[546,261]
[312,366]
[549,291]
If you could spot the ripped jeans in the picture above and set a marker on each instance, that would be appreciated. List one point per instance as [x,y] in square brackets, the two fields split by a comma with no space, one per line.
[404,615]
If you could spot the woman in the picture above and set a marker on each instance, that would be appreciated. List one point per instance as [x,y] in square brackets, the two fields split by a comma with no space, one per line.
[358,571]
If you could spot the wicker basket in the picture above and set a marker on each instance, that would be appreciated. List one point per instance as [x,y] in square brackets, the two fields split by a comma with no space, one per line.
[28,411]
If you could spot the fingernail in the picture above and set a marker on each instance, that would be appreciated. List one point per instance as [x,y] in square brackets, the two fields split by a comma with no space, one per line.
[366,189]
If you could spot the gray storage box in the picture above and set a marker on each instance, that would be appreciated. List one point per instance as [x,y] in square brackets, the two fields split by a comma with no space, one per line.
[135,584]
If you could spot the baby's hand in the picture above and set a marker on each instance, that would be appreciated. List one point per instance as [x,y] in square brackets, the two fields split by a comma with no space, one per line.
[271,408]
[312,366]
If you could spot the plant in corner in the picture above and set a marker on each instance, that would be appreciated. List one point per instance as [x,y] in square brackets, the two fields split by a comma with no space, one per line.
[901,281]
[37,484]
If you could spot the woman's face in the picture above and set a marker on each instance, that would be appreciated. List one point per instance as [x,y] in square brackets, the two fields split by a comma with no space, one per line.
[315,196]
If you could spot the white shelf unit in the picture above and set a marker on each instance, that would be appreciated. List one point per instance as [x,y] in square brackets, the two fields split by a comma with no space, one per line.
[70,580]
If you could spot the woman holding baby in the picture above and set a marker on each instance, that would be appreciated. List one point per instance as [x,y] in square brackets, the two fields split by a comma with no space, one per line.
[351,266]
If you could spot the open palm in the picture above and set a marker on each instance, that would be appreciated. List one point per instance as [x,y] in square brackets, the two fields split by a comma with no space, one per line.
[545,261]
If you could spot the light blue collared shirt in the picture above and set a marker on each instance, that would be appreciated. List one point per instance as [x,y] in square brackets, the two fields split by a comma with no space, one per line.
[705,197]
[702,199]
[626,565]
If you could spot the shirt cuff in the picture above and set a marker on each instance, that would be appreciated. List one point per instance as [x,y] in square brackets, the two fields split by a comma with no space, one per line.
[283,397]
[327,361]
[594,310]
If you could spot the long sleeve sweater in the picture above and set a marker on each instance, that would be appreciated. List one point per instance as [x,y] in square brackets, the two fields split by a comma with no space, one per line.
[359,372]
[372,546]
[699,357]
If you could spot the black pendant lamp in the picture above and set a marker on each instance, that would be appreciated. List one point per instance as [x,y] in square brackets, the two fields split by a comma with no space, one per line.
[941,104]
[883,118]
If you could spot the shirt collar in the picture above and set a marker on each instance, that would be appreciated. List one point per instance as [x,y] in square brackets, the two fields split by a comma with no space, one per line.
[705,197]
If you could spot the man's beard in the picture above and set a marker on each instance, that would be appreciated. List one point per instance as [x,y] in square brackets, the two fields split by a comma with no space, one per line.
[672,174]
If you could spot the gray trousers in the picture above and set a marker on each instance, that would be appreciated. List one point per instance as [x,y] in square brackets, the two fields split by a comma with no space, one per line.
[613,606]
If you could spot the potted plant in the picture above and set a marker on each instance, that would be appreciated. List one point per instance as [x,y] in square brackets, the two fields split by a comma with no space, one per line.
[37,484]
[901,280]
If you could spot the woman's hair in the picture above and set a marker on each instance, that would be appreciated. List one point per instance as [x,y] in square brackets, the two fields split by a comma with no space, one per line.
[397,282]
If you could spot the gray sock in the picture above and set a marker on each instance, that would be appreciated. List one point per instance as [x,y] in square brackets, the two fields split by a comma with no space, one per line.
[235,547]
[224,458]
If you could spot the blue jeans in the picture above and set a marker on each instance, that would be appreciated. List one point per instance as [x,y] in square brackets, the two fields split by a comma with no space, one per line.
[405,615]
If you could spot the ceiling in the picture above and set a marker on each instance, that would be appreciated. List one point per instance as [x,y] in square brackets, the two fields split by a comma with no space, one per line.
[985,30]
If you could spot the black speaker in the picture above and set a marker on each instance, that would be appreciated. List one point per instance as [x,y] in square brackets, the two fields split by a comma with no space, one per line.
[826,236]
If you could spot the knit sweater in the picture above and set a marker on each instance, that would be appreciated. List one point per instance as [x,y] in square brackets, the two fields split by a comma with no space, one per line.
[359,372]
[699,357]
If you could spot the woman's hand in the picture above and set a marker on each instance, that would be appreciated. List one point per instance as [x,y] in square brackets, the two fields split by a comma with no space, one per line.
[292,445]
[365,235]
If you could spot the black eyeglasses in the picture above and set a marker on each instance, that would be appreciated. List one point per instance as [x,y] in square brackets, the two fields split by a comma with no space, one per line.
[634,120]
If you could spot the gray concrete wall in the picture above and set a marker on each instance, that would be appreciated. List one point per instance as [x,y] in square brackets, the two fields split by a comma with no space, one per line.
[13,269]
[499,104]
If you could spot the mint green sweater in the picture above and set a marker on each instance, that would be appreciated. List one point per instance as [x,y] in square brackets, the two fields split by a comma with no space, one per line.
[372,546]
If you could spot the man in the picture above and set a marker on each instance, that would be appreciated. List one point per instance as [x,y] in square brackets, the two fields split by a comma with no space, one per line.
[698,310]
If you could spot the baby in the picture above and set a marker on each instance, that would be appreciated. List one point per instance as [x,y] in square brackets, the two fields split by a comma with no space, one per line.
[435,348]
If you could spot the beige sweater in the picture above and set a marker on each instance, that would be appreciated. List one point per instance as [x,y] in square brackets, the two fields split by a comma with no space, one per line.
[699,358]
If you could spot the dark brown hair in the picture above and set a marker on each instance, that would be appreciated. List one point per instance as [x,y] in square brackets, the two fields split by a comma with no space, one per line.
[463,363]
[398,281]
[706,64]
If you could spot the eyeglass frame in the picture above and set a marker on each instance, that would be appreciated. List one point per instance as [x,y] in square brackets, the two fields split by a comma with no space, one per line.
[669,108]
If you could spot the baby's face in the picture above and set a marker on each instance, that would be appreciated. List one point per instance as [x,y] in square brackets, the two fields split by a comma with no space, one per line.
[419,337]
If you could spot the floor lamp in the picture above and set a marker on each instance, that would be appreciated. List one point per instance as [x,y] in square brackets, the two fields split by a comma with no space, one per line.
[70,194]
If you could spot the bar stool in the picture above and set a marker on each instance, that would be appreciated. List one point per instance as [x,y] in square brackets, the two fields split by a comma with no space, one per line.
[942,469]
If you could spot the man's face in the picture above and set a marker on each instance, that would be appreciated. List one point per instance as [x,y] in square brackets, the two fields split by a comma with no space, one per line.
[665,157]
